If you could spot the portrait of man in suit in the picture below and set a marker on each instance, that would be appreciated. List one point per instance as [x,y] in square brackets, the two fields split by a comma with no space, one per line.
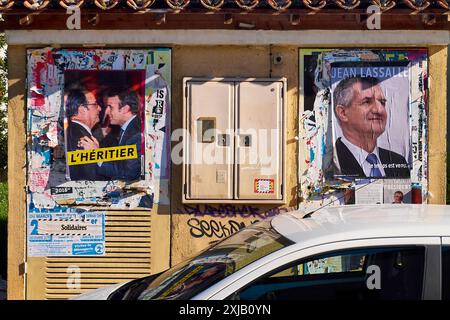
[398,197]
[123,108]
[360,110]
[82,113]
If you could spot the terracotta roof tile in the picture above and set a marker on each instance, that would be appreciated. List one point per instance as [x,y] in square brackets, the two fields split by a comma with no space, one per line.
[7,6]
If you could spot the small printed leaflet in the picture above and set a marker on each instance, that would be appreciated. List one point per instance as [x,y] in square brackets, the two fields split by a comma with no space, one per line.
[69,233]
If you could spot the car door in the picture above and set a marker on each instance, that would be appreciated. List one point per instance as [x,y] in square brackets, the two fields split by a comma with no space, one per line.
[392,268]
[445,268]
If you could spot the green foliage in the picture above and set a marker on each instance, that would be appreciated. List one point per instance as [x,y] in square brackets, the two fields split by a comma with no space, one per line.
[3,201]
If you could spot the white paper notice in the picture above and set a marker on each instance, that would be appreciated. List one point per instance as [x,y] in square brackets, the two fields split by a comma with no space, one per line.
[369,192]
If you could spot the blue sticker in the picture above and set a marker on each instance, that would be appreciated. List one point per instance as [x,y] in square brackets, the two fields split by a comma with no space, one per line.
[88,249]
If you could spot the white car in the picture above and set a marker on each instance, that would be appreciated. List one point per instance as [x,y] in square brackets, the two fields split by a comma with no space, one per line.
[357,252]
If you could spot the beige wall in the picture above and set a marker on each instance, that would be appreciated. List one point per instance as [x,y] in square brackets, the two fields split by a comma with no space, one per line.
[16,171]
[437,124]
[206,61]
[228,61]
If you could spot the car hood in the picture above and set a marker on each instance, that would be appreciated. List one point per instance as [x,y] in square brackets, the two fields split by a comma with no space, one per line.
[100,293]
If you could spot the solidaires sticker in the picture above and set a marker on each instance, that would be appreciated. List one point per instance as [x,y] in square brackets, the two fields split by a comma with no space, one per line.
[66,234]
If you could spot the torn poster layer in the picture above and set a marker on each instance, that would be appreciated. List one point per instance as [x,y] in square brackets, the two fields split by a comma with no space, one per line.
[98,127]
[386,89]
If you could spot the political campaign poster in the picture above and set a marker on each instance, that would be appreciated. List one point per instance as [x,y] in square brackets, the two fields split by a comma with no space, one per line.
[406,128]
[397,191]
[104,125]
[371,120]
[98,122]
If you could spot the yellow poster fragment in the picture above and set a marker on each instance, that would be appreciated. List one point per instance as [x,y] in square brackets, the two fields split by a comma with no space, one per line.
[101,155]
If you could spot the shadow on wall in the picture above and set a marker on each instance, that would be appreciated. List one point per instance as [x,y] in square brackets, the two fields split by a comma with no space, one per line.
[3,227]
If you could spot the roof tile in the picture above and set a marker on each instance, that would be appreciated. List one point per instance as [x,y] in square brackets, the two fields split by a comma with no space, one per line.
[278,5]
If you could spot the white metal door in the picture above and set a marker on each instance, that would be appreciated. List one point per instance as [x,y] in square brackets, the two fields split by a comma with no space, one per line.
[210,120]
[259,155]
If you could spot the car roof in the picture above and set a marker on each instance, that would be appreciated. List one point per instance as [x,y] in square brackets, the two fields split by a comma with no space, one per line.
[352,222]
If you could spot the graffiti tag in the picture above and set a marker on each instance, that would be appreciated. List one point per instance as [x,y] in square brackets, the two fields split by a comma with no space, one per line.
[231,211]
[213,228]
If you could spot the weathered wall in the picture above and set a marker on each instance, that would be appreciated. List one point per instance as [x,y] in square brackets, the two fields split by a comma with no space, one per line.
[437,141]
[186,235]
[16,171]
[240,61]
[228,61]
[137,241]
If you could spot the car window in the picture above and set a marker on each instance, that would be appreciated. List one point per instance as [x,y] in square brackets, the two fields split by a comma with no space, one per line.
[342,263]
[335,264]
[446,273]
[214,264]
[388,273]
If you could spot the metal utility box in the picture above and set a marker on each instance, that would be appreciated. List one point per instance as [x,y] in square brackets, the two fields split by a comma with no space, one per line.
[234,140]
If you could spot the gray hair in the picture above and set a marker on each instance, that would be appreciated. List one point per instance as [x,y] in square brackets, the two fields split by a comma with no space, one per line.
[343,93]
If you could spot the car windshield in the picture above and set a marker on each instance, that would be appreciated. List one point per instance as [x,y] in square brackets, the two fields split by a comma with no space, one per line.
[214,264]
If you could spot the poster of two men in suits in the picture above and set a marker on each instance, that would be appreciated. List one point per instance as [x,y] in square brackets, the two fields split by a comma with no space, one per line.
[104,125]
[370,120]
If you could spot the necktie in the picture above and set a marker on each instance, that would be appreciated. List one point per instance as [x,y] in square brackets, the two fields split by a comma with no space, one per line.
[373,160]
[121,134]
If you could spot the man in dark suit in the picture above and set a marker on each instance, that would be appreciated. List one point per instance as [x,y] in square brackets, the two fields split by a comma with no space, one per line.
[123,109]
[398,197]
[82,112]
[360,108]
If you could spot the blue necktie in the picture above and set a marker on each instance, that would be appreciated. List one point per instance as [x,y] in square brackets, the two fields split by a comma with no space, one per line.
[120,135]
[373,160]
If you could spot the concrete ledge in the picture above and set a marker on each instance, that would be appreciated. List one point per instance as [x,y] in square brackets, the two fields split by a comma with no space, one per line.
[317,38]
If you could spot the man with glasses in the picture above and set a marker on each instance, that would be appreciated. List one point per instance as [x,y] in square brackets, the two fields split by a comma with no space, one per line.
[82,112]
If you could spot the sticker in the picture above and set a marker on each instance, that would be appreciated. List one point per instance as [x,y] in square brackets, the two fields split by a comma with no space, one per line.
[60,190]
[67,227]
[66,233]
[102,155]
[264,186]
[79,249]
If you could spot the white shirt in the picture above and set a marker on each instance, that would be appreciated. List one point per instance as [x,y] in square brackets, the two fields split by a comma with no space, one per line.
[90,132]
[124,127]
[361,155]
[84,126]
